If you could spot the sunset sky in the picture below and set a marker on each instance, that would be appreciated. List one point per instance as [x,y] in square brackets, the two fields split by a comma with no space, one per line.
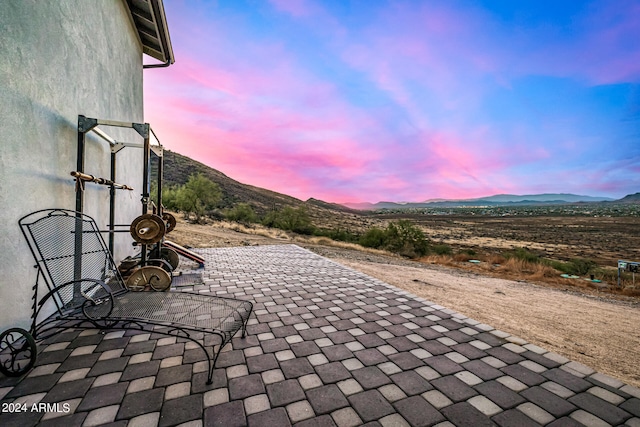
[370,100]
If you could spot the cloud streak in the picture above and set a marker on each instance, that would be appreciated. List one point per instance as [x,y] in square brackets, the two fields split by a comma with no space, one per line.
[404,100]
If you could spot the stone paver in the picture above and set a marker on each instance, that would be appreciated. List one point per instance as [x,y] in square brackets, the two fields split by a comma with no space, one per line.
[326,346]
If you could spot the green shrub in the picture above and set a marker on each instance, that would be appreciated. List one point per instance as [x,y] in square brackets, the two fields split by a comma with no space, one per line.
[337,234]
[580,266]
[374,238]
[242,213]
[290,219]
[401,237]
[406,239]
[442,249]
[522,254]
[198,196]
[576,266]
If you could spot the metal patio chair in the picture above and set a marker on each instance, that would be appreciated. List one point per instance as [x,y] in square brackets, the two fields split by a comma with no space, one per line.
[86,291]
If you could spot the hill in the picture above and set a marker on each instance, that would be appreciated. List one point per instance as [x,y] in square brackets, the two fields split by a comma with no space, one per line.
[178,168]
[630,198]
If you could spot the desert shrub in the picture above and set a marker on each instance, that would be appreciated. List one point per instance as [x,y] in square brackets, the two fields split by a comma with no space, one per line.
[198,196]
[583,266]
[558,265]
[401,237]
[442,249]
[580,266]
[495,259]
[528,269]
[169,197]
[463,256]
[374,238]
[290,219]
[216,215]
[576,266]
[339,234]
[406,239]
[522,254]
[242,213]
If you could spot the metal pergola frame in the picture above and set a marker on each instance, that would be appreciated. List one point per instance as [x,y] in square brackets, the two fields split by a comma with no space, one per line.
[86,125]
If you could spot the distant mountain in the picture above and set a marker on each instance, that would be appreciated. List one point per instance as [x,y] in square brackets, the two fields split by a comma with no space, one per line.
[561,197]
[630,198]
[496,200]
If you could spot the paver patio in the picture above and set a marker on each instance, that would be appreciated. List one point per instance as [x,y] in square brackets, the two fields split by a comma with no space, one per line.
[327,346]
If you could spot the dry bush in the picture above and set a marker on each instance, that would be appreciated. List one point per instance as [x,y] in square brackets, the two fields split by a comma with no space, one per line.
[495,259]
[463,257]
[255,229]
[631,291]
[516,265]
[438,259]
[326,241]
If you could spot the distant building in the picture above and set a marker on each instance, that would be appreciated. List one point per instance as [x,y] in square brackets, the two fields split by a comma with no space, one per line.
[62,59]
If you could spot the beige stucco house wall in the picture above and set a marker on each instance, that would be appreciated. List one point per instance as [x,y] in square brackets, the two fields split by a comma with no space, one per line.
[60,59]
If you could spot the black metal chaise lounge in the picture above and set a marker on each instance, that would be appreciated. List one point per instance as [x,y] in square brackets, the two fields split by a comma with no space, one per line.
[87,291]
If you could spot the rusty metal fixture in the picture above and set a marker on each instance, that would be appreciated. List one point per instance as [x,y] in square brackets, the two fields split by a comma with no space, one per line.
[80,177]
[128,263]
[170,221]
[149,278]
[147,229]
[170,256]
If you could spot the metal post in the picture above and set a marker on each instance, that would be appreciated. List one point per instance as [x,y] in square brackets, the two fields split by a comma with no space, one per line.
[143,130]
[80,168]
[112,203]
[159,199]
[84,125]
[77,259]
[160,172]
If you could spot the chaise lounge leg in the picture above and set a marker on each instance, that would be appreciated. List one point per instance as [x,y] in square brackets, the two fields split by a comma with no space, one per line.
[244,327]
[210,377]
[212,365]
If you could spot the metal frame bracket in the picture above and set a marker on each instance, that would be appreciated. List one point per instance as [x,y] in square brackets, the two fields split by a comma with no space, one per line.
[117,147]
[142,129]
[158,150]
[85,124]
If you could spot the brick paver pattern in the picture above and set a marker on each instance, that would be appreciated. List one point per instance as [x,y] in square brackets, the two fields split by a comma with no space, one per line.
[327,346]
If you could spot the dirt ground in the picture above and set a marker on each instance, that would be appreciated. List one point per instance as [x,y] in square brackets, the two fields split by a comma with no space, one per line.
[602,239]
[595,330]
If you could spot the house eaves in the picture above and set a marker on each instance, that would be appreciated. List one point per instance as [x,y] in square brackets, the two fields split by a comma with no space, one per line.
[150,21]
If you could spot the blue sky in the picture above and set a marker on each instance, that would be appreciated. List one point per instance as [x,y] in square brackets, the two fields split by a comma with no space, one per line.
[351,101]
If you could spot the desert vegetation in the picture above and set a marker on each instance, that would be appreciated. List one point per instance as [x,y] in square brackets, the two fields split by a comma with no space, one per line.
[536,243]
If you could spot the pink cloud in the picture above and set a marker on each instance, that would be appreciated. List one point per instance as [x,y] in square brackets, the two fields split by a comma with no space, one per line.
[254,110]
[258,130]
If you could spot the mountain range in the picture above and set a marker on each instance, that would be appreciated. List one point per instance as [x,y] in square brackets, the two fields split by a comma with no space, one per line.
[495,200]
[178,168]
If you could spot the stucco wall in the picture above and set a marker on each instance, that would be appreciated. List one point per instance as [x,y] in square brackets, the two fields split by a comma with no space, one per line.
[60,59]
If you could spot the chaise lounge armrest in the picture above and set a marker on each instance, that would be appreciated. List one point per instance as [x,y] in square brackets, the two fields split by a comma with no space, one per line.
[92,296]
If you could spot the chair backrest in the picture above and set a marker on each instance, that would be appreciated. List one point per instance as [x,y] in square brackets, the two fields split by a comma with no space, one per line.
[67,246]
